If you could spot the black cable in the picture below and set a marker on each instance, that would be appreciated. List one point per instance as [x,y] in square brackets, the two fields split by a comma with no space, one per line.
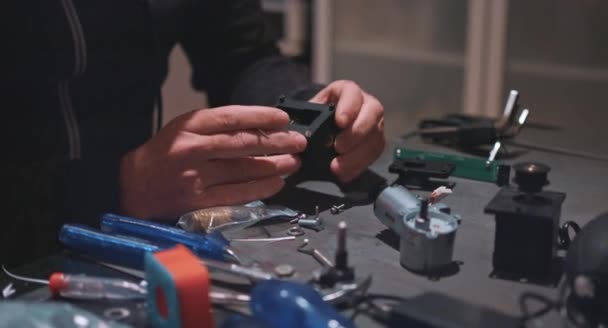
[373,310]
[549,305]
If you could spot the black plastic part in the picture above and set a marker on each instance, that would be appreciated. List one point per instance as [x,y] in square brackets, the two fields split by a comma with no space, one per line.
[317,123]
[331,276]
[531,177]
[526,235]
[462,132]
[588,256]
[424,208]
[419,174]
[503,175]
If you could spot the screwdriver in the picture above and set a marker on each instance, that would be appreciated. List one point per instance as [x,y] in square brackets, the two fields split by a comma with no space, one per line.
[211,246]
[279,303]
[87,287]
[90,287]
[130,251]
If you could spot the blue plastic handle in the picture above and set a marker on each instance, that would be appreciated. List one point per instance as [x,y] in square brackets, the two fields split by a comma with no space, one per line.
[212,246]
[279,304]
[128,252]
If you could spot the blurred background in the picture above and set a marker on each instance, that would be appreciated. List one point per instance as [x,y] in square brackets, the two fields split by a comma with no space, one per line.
[425,58]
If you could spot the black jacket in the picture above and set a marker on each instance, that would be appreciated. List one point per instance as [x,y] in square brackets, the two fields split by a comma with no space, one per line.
[82,87]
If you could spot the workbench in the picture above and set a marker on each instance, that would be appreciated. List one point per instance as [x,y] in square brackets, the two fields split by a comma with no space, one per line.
[373,249]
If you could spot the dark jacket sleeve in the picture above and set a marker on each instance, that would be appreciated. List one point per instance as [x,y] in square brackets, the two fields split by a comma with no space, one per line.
[234,56]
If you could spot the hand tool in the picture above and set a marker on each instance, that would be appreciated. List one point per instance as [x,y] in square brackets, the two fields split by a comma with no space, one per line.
[178,287]
[79,286]
[87,287]
[129,251]
[289,304]
[211,246]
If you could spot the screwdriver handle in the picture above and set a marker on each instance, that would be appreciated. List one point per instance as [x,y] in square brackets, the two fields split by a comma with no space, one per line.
[211,246]
[278,304]
[87,287]
[119,250]
[130,251]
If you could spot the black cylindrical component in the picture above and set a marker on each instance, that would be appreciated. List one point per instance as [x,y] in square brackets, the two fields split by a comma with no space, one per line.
[531,177]
[424,208]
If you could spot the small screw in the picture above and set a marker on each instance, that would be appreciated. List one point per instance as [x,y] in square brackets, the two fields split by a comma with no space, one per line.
[316,211]
[336,209]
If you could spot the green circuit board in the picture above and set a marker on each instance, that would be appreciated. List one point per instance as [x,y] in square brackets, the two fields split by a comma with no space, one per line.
[465,167]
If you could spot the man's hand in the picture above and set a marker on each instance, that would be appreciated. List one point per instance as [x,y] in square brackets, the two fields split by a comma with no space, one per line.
[207,158]
[361,116]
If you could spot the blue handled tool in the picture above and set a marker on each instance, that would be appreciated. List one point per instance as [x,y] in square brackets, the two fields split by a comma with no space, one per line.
[279,303]
[130,251]
[211,246]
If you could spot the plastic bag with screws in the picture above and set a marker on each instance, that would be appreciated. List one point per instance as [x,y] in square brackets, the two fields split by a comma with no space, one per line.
[230,218]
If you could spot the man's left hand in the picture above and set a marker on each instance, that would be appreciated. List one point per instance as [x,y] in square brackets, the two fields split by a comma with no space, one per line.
[361,116]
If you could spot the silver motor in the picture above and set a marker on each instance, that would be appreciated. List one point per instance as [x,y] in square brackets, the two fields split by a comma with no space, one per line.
[427,231]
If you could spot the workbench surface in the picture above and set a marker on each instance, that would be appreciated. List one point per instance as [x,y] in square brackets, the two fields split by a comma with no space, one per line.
[373,249]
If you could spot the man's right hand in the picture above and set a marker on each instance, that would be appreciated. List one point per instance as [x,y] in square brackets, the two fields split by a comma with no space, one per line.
[210,157]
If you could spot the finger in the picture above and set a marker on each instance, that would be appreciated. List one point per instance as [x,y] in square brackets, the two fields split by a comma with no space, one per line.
[322,97]
[371,113]
[249,143]
[235,118]
[239,193]
[350,165]
[250,168]
[350,99]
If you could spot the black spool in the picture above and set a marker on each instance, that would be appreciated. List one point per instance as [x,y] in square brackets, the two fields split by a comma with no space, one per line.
[531,177]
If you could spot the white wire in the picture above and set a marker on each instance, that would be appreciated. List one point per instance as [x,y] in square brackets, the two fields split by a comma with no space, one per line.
[14,276]
[264,239]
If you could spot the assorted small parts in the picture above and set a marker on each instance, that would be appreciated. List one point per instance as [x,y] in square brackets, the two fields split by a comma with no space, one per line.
[317,123]
[527,223]
[427,231]
[316,254]
[342,271]
[295,231]
[464,167]
[337,209]
[310,222]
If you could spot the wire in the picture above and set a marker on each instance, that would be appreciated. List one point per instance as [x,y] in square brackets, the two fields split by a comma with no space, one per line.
[372,309]
[14,276]
[549,305]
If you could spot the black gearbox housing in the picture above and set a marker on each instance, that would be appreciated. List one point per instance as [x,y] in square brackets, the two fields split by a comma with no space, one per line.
[527,223]
[318,124]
